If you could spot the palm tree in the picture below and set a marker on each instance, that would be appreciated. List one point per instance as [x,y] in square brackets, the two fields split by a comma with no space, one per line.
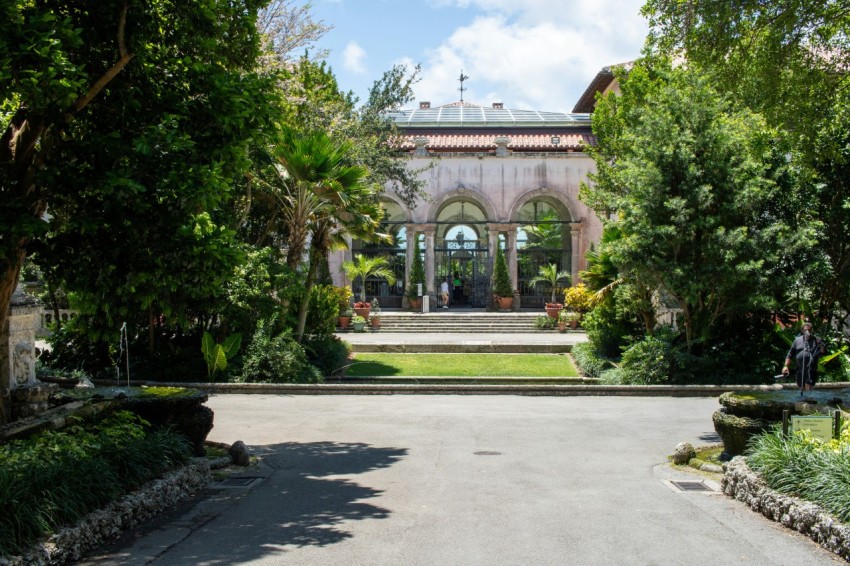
[549,275]
[365,267]
[325,197]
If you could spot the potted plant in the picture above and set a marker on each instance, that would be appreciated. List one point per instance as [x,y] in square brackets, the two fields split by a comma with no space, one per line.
[417,277]
[375,314]
[365,267]
[549,276]
[345,318]
[358,323]
[502,288]
[568,318]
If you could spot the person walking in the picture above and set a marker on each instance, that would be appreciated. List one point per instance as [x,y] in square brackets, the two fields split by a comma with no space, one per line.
[805,351]
[444,292]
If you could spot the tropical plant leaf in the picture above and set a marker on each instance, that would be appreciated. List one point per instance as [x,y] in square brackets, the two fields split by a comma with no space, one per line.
[207,347]
[231,345]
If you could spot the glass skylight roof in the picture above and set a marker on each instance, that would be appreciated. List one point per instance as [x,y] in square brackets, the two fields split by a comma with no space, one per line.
[471,115]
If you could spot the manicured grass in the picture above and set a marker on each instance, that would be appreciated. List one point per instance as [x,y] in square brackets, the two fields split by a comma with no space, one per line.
[467,365]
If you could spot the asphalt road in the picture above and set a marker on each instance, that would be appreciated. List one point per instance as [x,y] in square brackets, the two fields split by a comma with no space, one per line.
[467,480]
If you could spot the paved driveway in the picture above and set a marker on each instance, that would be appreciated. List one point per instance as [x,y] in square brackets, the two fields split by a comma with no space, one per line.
[463,480]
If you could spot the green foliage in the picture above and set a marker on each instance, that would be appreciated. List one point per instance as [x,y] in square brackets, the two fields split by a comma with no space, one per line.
[276,358]
[578,298]
[501,278]
[323,311]
[544,322]
[417,273]
[328,353]
[588,359]
[216,355]
[57,477]
[802,466]
[699,192]
[549,276]
[649,361]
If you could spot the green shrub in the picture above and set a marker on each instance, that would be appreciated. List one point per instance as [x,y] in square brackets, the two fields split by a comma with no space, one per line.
[323,310]
[276,358]
[649,361]
[590,363]
[544,322]
[328,353]
[57,477]
[805,467]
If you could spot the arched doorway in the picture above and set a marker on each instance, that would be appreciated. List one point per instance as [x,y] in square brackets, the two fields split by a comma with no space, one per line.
[543,238]
[461,253]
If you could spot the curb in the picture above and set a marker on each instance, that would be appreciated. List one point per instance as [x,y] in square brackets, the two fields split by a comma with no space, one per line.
[809,519]
[464,389]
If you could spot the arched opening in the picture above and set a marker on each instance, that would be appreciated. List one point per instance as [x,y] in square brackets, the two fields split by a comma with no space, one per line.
[393,249]
[543,238]
[461,253]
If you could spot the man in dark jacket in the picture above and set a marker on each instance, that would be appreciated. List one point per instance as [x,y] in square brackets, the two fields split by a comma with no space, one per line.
[805,351]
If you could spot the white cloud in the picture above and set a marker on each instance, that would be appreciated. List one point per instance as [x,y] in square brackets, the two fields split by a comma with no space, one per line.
[538,54]
[354,57]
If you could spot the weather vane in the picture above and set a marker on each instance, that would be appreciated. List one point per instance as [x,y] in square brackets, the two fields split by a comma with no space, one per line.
[461,89]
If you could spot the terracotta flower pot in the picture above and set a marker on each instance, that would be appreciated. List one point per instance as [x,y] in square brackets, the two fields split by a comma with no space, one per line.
[376,323]
[553,309]
[363,311]
[344,321]
[505,303]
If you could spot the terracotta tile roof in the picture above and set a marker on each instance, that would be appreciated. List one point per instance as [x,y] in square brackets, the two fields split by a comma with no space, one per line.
[483,142]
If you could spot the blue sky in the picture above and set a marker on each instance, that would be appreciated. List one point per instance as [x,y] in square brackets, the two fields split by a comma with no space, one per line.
[528,54]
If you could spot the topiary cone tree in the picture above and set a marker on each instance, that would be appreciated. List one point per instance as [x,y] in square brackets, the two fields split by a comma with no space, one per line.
[417,274]
[501,278]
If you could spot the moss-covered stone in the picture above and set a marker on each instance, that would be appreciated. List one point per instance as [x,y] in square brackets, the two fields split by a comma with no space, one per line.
[770,404]
[181,408]
[735,431]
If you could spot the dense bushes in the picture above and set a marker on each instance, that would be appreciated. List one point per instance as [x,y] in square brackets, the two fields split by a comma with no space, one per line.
[803,466]
[588,360]
[57,477]
[276,358]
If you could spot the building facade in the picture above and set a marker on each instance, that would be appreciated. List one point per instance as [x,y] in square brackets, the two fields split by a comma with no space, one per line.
[493,177]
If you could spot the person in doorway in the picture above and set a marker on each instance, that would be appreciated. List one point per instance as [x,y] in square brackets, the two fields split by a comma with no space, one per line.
[457,291]
[806,350]
[444,292]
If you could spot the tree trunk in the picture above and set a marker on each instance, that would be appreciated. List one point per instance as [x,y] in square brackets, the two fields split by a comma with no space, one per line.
[305,301]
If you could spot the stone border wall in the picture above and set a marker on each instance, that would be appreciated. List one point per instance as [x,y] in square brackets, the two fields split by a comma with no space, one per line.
[743,484]
[106,524]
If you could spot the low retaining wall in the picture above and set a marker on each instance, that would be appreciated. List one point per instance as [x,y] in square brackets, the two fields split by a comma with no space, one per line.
[455,389]
[740,482]
[119,516]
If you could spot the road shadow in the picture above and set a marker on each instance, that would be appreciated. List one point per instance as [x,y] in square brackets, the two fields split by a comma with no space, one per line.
[310,495]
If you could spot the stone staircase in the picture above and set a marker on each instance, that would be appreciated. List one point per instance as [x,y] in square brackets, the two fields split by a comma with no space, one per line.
[447,321]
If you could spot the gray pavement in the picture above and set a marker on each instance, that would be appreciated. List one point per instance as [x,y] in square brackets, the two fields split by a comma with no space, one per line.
[471,480]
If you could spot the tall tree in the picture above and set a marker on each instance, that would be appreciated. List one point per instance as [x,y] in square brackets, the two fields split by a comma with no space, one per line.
[693,184]
[787,59]
[134,117]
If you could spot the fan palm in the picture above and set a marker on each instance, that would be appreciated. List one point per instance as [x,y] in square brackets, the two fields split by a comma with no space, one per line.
[365,267]
[325,197]
[550,276]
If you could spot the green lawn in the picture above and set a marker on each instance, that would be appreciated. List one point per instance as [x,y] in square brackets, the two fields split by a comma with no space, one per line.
[467,365]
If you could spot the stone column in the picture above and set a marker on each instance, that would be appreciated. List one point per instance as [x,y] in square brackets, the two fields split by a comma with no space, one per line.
[19,391]
[412,234]
[575,233]
[430,259]
[492,246]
